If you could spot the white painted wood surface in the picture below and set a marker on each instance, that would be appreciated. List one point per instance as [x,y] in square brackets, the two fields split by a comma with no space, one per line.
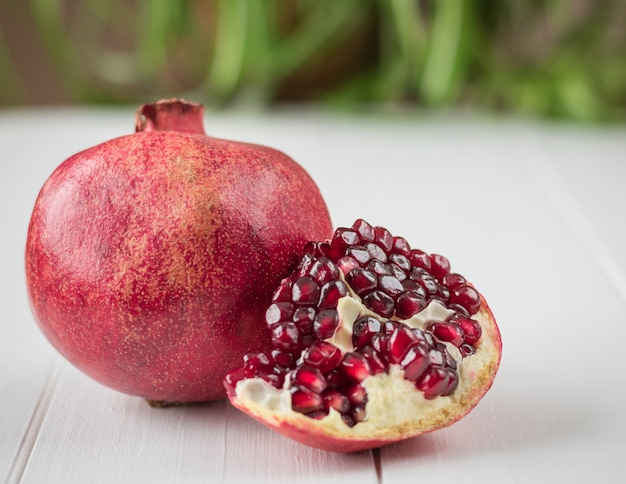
[532,213]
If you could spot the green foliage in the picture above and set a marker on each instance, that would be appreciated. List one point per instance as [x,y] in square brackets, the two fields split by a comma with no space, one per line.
[557,58]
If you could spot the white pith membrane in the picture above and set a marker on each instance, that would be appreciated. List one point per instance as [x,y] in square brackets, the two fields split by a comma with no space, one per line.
[395,408]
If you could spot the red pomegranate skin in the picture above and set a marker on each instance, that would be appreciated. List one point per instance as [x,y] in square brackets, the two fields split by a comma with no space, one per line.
[150,258]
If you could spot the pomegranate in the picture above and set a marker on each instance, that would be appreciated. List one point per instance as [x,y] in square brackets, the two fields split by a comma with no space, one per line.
[150,257]
[373,342]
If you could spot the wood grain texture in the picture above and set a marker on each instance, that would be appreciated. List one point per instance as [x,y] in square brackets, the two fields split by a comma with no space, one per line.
[531,213]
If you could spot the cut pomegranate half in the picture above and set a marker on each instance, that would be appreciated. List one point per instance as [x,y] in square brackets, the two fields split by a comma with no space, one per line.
[374,342]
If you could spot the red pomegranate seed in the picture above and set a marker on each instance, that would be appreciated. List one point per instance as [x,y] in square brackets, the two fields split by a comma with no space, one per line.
[415,362]
[449,332]
[362,280]
[380,303]
[401,261]
[286,336]
[411,285]
[453,280]
[419,258]
[360,254]
[453,382]
[283,292]
[466,350]
[434,381]
[365,230]
[410,303]
[398,273]
[342,239]
[437,356]
[255,361]
[306,401]
[330,293]
[400,340]
[467,297]
[282,358]
[401,246]
[305,291]
[383,238]
[363,329]
[471,327]
[278,312]
[376,252]
[354,367]
[337,400]
[325,323]
[374,359]
[440,265]
[378,268]
[275,379]
[390,285]
[231,379]
[324,270]
[309,377]
[356,394]
[303,317]
[304,267]
[322,355]
[424,279]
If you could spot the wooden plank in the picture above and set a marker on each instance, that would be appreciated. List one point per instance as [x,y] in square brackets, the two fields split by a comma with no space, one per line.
[90,430]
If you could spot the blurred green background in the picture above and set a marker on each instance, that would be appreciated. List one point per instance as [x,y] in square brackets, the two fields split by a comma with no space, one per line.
[548,58]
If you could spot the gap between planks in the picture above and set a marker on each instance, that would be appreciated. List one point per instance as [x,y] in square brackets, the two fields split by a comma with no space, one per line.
[35,423]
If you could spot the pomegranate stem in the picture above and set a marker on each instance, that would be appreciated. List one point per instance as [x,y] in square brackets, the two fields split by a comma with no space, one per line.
[174,114]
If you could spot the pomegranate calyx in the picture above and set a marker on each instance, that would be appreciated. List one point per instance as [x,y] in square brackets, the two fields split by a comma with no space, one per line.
[175,114]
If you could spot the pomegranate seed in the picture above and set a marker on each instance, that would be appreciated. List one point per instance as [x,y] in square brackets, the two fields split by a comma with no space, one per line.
[440,266]
[437,356]
[231,379]
[362,280]
[471,327]
[275,379]
[358,414]
[304,267]
[453,382]
[449,332]
[346,264]
[390,285]
[342,239]
[467,297]
[282,358]
[322,355]
[360,254]
[278,312]
[380,303]
[424,279]
[411,285]
[354,367]
[363,329]
[309,377]
[453,280]
[283,292]
[410,303]
[383,238]
[330,293]
[365,230]
[325,323]
[286,336]
[306,401]
[376,362]
[400,340]
[419,258]
[356,394]
[434,381]
[459,309]
[337,400]
[401,261]
[303,317]
[466,350]
[376,252]
[305,291]
[253,362]
[377,267]
[324,270]
[401,246]
[398,273]
[415,362]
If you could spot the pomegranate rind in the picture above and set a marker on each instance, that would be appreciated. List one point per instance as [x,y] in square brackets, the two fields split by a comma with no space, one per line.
[395,410]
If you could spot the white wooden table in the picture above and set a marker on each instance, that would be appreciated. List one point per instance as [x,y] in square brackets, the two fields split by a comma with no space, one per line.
[534,214]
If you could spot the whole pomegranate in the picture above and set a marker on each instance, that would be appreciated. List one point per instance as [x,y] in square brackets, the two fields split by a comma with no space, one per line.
[150,257]
[373,342]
